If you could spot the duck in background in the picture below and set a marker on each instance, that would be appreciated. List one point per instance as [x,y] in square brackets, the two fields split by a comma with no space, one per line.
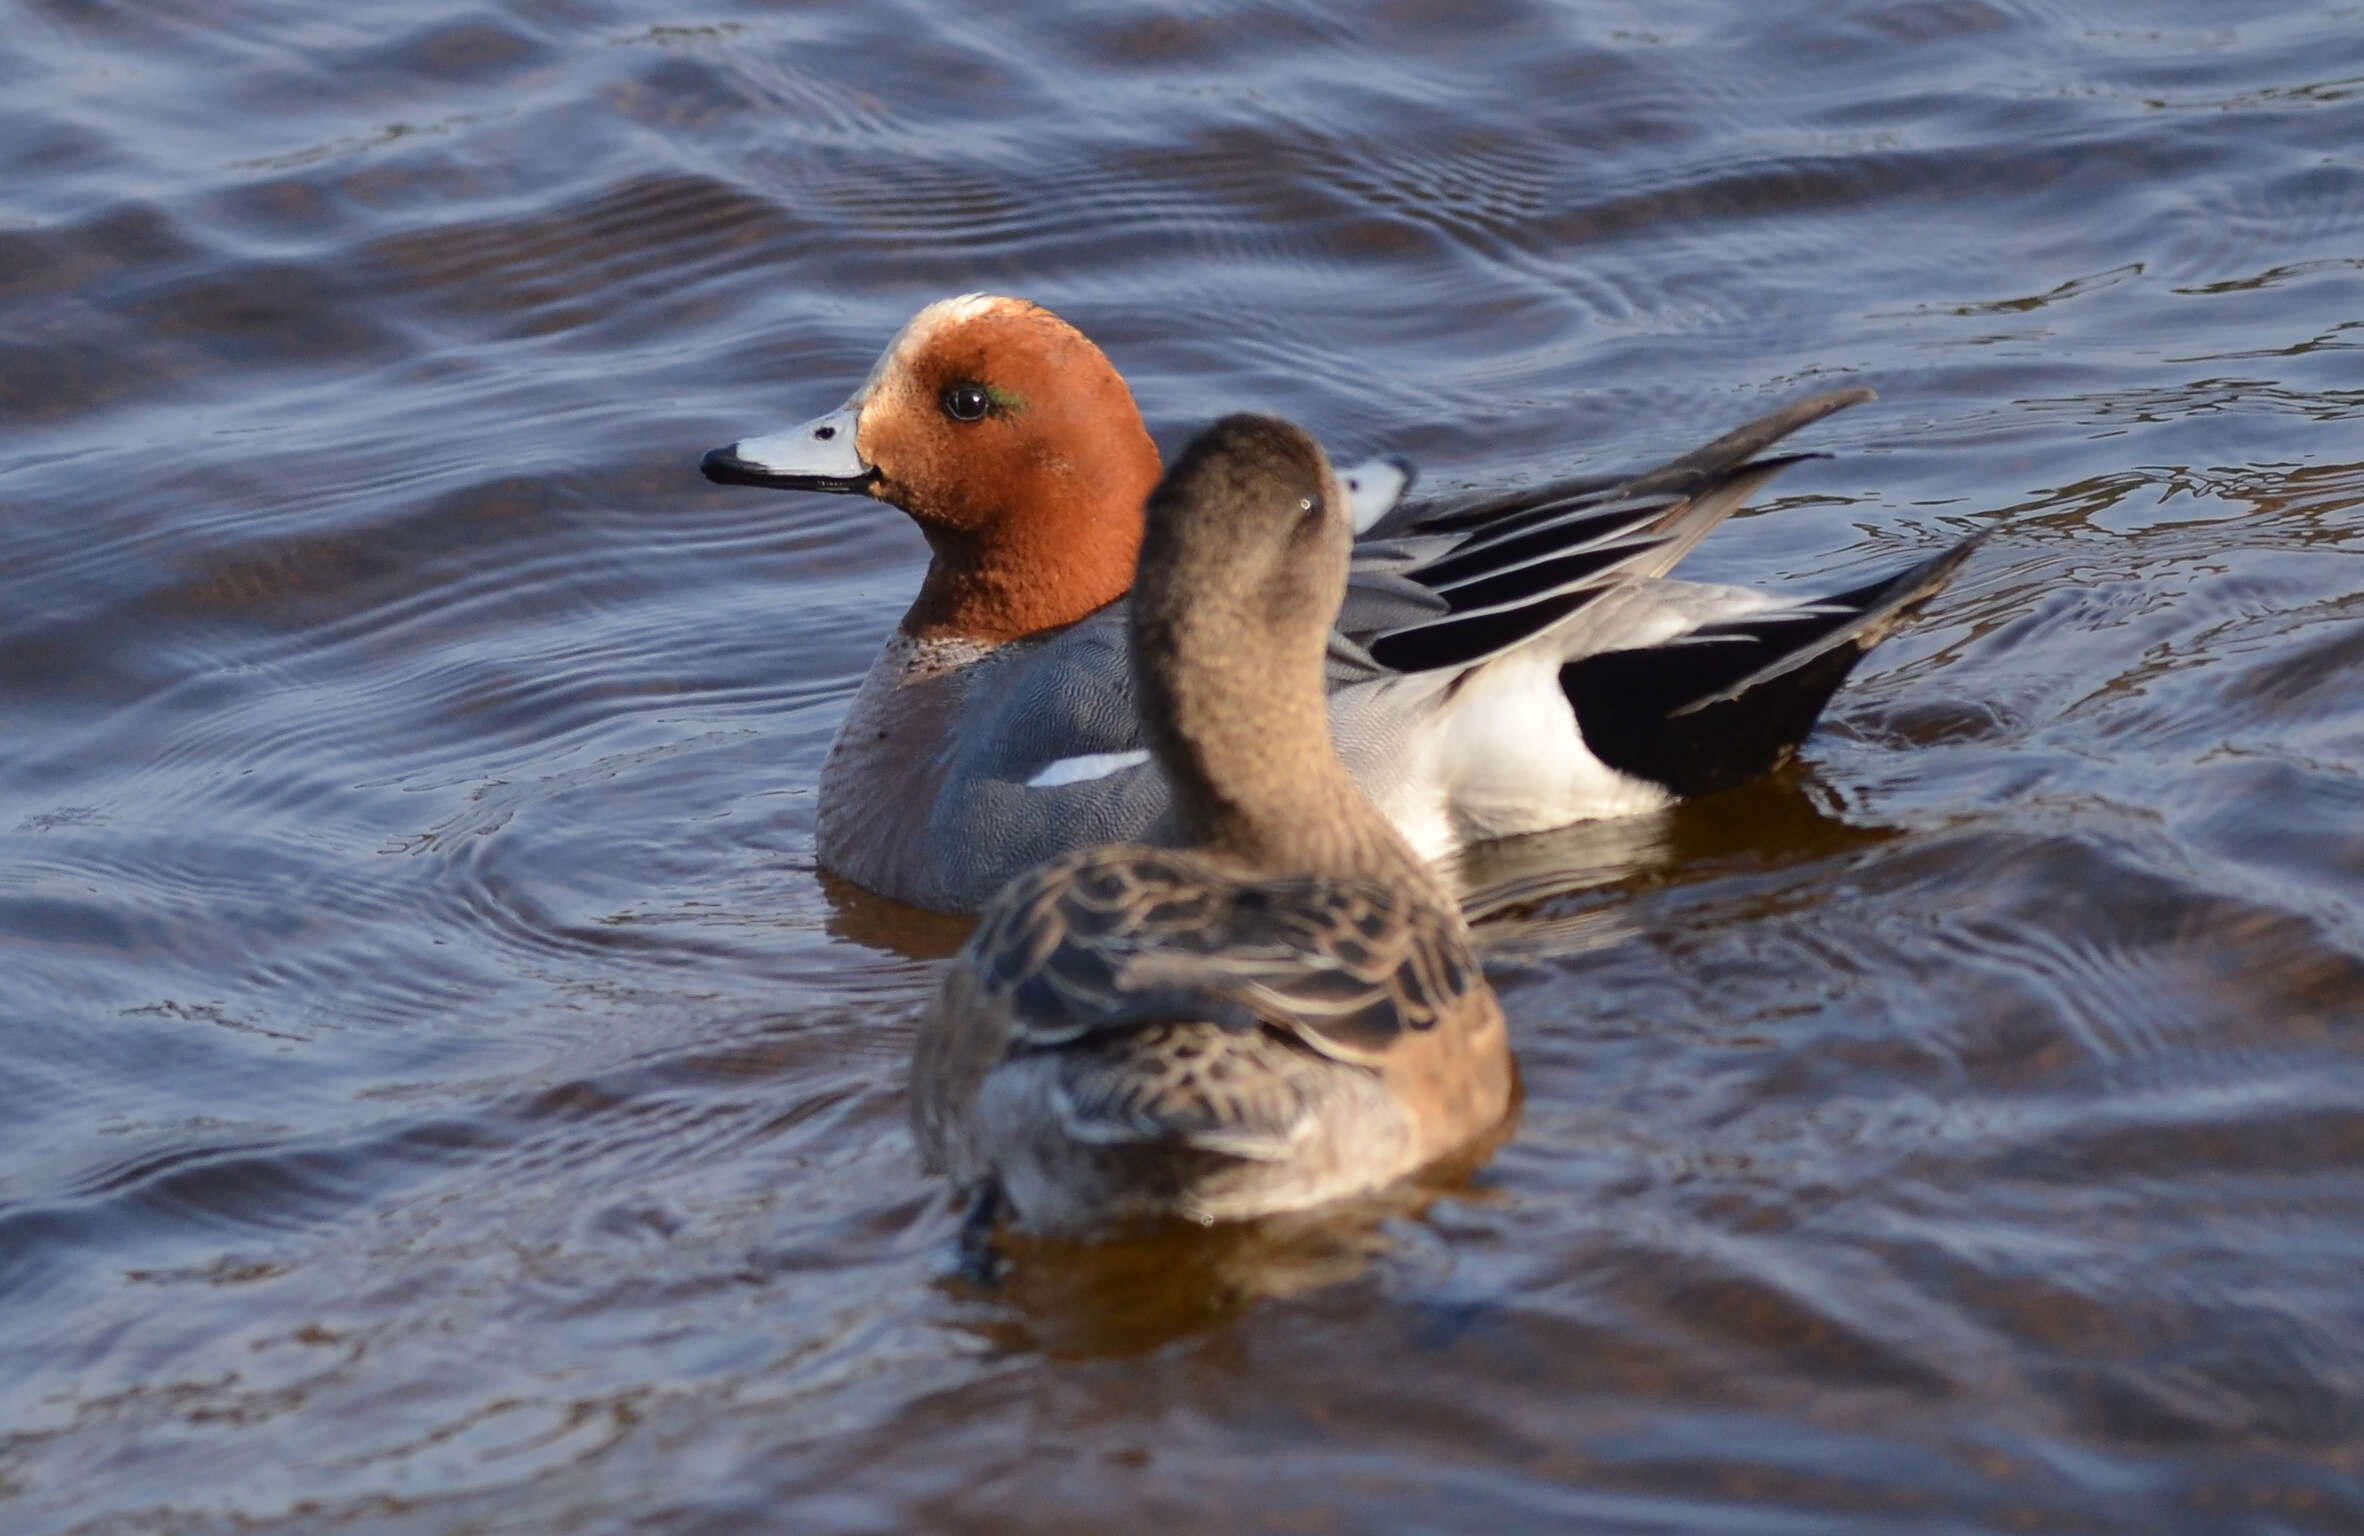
[1279,1010]
[1500,665]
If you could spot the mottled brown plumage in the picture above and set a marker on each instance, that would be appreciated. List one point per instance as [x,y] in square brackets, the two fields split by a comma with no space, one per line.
[1281,1012]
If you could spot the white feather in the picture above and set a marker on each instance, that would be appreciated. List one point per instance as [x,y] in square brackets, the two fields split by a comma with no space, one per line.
[1085,767]
[1372,490]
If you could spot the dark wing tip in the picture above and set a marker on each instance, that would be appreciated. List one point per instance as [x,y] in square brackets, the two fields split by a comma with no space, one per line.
[1712,710]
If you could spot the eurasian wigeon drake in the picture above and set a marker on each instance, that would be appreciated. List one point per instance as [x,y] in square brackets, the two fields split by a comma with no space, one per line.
[1280,1010]
[1502,664]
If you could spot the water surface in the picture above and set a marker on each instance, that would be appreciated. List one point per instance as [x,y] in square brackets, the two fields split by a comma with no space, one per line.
[443,1096]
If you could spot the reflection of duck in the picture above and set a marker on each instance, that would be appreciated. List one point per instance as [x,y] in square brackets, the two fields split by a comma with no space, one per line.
[1282,1011]
[1586,887]
[1502,664]
[1129,1293]
[859,916]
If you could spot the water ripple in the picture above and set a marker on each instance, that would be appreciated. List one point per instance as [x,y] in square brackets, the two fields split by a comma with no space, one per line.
[445,1094]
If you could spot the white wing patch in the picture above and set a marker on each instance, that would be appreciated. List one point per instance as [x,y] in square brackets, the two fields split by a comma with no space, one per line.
[1372,490]
[1084,767]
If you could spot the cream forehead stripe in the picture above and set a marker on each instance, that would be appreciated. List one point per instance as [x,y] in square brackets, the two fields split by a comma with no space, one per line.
[920,331]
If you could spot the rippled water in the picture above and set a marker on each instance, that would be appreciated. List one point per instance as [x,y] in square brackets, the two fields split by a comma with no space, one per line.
[443,1096]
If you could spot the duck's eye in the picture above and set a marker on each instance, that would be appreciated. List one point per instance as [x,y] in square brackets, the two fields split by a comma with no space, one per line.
[967,401]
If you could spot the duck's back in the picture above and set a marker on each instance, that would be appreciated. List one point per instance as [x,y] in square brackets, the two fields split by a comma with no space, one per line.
[1137,1032]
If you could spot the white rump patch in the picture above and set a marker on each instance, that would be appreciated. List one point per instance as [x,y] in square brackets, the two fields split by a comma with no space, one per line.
[1085,767]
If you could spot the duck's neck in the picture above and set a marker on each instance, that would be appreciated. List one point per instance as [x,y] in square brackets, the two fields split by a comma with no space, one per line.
[1034,541]
[1245,741]
[1024,574]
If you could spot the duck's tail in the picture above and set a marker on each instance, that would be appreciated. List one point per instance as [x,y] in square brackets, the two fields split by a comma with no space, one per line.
[1727,702]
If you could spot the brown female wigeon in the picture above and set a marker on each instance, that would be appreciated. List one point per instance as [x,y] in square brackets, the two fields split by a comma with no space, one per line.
[1281,1008]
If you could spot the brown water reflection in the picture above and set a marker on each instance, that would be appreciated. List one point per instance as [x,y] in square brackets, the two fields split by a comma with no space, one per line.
[1139,1291]
[444,1097]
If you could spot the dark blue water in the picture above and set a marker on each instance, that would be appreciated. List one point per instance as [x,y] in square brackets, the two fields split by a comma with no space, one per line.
[441,1095]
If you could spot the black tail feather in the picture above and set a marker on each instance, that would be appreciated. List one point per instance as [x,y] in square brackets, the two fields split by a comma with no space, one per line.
[1727,703]
[1699,467]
